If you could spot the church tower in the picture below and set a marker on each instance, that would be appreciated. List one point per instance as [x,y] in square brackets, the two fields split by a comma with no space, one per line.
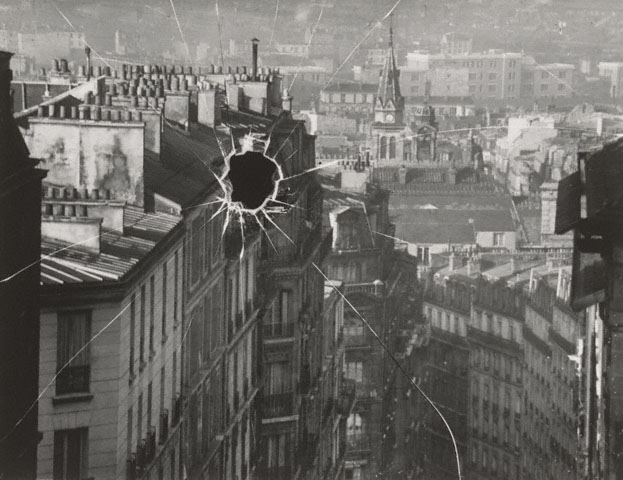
[389,103]
[390,141]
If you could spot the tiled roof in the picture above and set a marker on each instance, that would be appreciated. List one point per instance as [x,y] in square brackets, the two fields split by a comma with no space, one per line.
[119,253]
[182,172]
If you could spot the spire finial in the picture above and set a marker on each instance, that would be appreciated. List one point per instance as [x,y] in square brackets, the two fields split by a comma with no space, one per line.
[391,29]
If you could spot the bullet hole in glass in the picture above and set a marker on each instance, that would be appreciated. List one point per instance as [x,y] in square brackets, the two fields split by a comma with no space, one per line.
[251,177]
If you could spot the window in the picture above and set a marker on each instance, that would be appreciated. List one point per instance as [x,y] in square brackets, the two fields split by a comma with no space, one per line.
[149,405]
[392,147]
[175,287]
[196,249]
[492,76]
[544,87]
[71,454]
[544,74]
[141,340]
[498,239]
[560,87]
[73,353]
[132,332]
[152,315]
[284,304]
[278,378]
[164,302]
[354,371]
[491,88]
[383,147]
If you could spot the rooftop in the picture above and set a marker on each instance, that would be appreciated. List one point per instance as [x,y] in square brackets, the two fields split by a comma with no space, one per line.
[119,252]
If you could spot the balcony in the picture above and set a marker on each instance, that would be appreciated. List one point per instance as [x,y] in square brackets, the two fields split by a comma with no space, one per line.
[277,405]
[358,443]
[164,427]
[278,330]
[73,380]
[371,288]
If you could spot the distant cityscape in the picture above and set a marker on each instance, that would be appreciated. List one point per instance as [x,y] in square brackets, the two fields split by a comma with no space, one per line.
[344,240]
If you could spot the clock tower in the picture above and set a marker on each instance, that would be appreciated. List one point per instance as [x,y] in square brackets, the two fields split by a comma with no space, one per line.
[390,140]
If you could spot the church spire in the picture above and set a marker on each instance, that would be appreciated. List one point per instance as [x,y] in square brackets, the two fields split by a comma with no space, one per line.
[388,97]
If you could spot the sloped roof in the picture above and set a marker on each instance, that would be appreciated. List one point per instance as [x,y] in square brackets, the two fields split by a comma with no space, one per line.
[119,252]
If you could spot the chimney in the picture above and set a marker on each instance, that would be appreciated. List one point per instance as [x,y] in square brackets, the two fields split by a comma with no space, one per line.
[64,66]
[452,176]
[6,75]
[255,43]
[286,101]
[452,264]
[209,111]
[87,50]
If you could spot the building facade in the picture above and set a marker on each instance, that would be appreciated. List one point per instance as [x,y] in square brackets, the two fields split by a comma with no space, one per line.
[20,190]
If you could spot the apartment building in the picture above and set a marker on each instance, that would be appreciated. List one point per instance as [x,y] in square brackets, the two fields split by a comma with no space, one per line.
[20,249]
[444,377]
[493,74]
[377,287]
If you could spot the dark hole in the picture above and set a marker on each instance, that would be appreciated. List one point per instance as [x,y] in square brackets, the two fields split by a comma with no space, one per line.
[251,177]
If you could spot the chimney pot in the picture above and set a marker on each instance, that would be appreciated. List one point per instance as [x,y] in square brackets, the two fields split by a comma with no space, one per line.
[96,113]
[117,115]
[211,68]
[144,102]
[70,211]
[98,71]
[40,111]
[62,113]
[113,90]
[58,210]
[55,65]
[74,112]
[107,71]
[64,66]
[83,109]
[95,194]
[184,85]
[81,71]
[107,115]
[134,101]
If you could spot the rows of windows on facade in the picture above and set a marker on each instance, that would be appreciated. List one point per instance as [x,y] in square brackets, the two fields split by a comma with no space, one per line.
[162,351]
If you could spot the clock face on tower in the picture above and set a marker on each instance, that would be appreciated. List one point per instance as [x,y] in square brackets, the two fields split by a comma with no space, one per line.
[389,118]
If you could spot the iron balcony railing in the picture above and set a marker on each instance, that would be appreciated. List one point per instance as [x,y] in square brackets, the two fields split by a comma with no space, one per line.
[278,330]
